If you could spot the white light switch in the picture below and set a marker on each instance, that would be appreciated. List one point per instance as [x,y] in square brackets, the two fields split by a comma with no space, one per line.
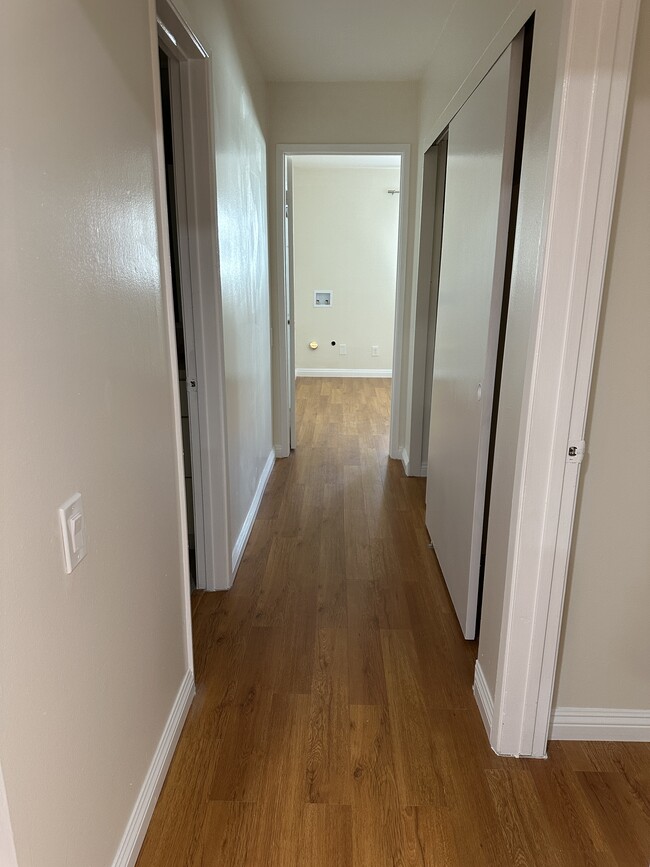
[73,531]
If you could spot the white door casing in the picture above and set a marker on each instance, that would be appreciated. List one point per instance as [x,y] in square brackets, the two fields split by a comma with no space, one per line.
[202,262]
[285,368]
[593,83]
[480,160]
[178,196]
[288,289]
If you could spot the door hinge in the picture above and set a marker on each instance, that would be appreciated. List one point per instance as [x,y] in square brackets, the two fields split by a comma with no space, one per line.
[576,452]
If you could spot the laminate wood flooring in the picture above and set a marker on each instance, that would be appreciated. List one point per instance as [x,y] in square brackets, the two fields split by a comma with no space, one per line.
[334,723]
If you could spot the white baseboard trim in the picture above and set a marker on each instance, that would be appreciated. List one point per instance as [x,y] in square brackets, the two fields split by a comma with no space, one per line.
[279,451]
[138,823]
[7,847]
[424,470]
[362,373]
[599,724]
[244,533]
[404,457]
[483,697]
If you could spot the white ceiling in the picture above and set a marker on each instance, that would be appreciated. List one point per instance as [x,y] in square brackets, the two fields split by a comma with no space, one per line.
[343,40]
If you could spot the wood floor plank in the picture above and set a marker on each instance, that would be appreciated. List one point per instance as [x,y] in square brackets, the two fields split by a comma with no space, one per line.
[240,761]
[518,808]
[419,782]
[326,836]
[228,835]
[367,681]
[285,781]
[328,759]
[617,823]
[381,829]
[571,824]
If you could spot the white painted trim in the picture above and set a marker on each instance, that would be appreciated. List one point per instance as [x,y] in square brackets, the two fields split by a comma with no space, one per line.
[399,380]
[424,470]
[593,77]
[242,539]
[483,697]
[406,463]
[599,724]
[201,185]
[7,846]
[277,448]
[166,286]
[360,373]
[138,823]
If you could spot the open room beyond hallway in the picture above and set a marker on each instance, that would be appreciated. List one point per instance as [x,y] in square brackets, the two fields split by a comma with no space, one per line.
[334,722]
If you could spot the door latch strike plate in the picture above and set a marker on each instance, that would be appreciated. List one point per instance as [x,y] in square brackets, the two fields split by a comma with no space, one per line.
[576,452]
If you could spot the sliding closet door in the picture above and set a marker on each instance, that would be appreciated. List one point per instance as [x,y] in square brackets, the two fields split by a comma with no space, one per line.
[480,157]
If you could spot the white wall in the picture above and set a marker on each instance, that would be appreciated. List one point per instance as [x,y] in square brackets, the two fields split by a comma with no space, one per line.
[345,226]
[90,663]
[239,116]
[352,113]
[605,654]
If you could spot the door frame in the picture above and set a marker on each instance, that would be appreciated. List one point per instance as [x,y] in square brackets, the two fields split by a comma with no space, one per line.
[202,268]
[283,151]
[592,84]
[594,79]
[179,201]
[425,312]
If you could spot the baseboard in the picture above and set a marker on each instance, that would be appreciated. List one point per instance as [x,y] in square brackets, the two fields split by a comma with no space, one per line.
[483,697]
[279,451]
[424,470]
[138,823]
[404,457]
[244,533]
[599,724]
[7,848]
[361,373]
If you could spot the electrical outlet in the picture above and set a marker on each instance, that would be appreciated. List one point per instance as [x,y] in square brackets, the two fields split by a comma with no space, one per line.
[343,349]
[374,351]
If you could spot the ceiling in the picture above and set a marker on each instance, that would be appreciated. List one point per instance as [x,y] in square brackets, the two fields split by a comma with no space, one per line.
[343,40]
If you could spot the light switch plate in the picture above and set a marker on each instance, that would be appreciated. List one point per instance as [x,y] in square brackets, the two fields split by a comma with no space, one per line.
[73,532]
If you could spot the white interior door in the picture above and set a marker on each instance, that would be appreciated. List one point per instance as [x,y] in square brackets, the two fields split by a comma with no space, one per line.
[478,194]
[288,271]
[197,526]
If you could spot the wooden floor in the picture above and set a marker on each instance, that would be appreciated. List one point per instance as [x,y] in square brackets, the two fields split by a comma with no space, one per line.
[334,722]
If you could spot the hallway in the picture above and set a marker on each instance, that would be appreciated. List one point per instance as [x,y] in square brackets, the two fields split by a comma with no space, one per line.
[334,722]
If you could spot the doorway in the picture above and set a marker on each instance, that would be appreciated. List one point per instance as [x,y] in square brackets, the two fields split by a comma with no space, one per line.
[333,269]
[341,248]
[188,197]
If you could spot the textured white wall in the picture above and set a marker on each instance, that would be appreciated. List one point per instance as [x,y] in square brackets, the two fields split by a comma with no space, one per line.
[239,114]
[605,654]
[345,240]
[91,662]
